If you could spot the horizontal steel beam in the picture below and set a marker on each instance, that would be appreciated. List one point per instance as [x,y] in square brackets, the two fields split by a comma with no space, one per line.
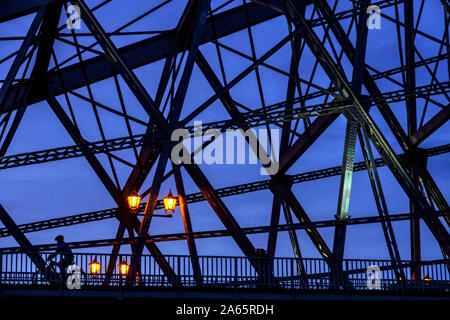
[197,197]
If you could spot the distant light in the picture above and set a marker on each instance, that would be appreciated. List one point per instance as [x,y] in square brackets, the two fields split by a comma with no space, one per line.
[95,267]
[170,202]
[133,201]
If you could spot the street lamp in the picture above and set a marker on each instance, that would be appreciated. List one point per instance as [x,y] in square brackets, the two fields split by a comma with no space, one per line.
[95,267]
[133,202]
[123,268]
[170,202]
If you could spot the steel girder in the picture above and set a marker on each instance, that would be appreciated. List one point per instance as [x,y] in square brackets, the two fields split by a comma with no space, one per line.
[411,113]
[98,68]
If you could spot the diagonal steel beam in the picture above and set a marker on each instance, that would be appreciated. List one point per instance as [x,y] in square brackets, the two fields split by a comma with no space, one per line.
[411,114]
[221,210]
[48,15]
[431,126]
[222,192]
[279,188]
[285,136]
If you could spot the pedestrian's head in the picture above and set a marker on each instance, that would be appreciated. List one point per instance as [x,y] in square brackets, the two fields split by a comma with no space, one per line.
[59,238]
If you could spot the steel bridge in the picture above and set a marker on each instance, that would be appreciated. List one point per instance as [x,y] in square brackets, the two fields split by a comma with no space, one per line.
[395,116]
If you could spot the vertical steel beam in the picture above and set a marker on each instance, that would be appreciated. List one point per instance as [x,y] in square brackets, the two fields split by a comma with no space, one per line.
[145,161]
[280,188]
[109,185]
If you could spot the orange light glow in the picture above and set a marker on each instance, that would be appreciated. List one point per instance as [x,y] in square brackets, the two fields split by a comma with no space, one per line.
[133,202]
[123,268]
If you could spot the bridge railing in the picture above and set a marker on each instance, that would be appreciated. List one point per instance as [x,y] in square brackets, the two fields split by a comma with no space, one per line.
[17,269]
